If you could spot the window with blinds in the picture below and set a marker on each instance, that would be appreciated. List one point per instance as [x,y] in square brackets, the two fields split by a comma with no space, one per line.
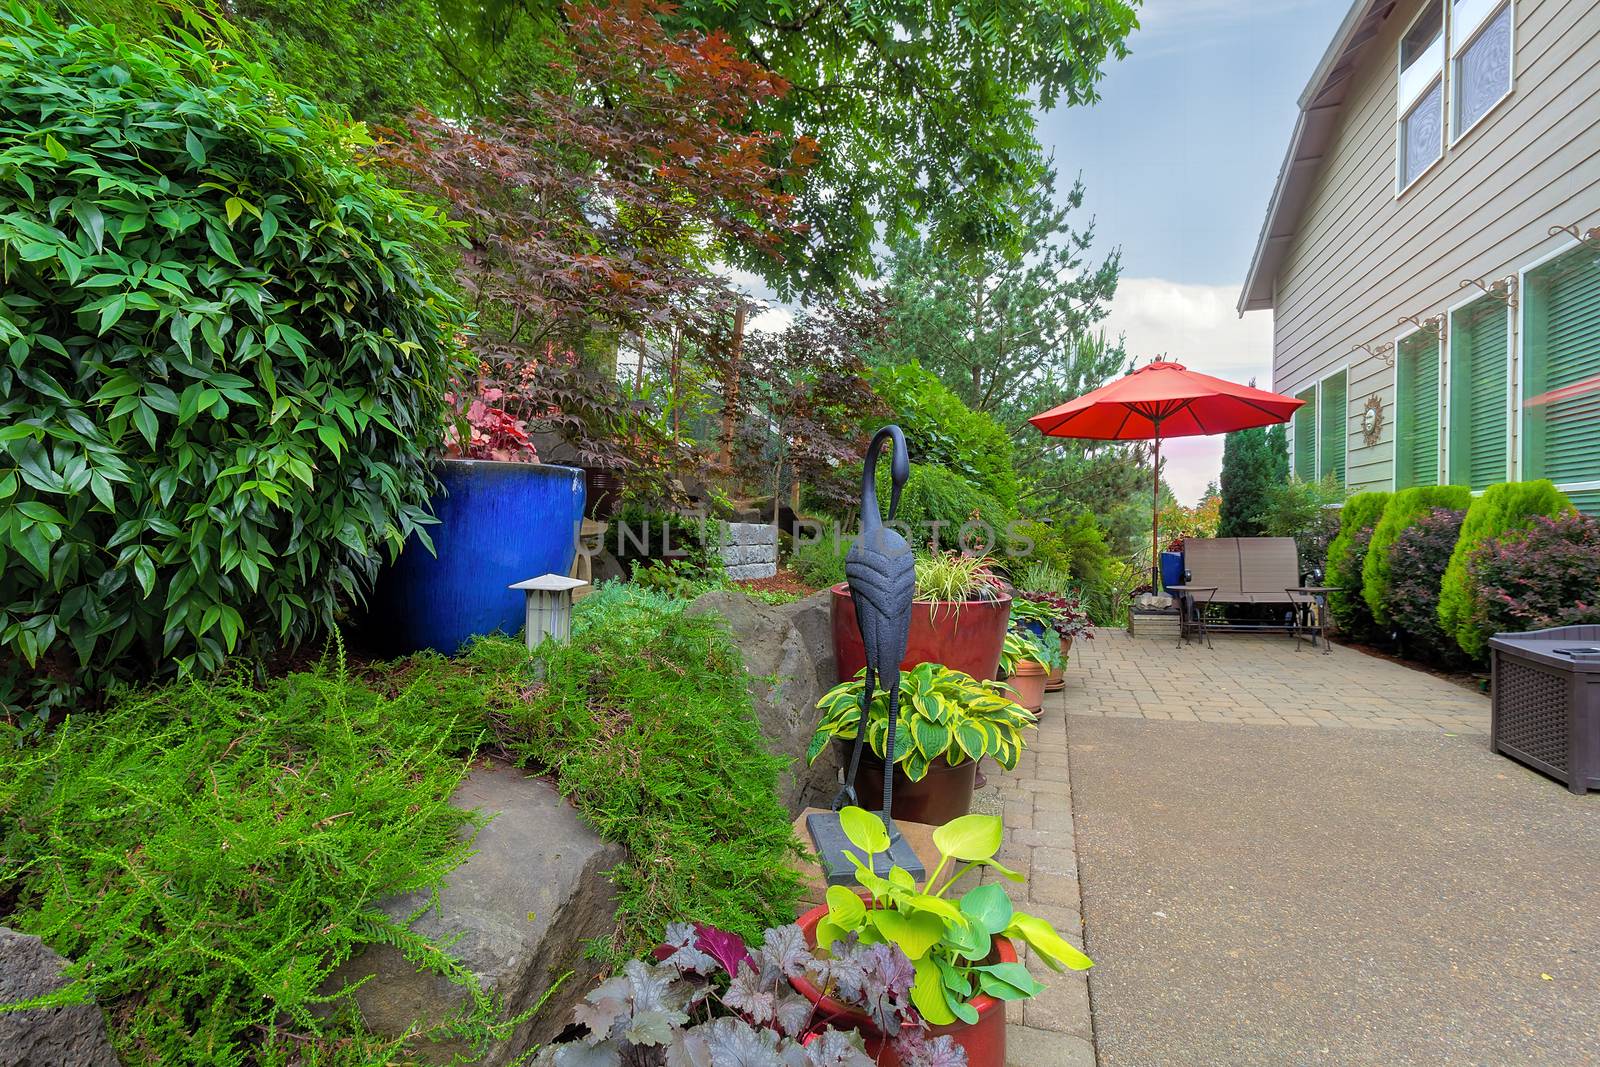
[1305,436]
[1561,369]
[1333,428]
[1416,440]
[1479,392]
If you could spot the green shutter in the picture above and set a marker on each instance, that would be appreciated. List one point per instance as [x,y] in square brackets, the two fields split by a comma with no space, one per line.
[1305,436]
[1334,428]
[1561,350]
[1478,394]
[1416,441]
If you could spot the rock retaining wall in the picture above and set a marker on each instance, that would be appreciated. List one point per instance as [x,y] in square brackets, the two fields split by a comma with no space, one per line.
[751,550]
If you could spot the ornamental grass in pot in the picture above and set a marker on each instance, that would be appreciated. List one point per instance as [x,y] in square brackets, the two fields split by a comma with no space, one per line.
[947,721]
[958,618]
[962,950]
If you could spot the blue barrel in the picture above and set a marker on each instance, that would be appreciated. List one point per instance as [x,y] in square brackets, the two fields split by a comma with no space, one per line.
[499,523]
[1171,569]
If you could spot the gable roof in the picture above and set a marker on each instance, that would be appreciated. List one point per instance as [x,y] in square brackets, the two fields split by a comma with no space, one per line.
[1320,105]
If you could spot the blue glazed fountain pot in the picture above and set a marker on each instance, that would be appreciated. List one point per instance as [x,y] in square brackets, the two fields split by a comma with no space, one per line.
[499,523]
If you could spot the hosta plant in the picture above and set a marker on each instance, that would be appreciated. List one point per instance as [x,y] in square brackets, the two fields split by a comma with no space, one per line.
[709,1000]
[1022,646]
[944,715]
[950,942]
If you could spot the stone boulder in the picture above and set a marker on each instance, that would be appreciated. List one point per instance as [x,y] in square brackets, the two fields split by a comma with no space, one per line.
[47,1037]
[788,653]
[521,908]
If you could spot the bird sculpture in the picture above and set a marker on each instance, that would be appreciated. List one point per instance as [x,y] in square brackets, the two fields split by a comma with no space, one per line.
[882,576]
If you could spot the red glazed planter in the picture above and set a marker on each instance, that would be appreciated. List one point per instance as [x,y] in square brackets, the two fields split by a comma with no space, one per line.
[964,637]
[984,1040]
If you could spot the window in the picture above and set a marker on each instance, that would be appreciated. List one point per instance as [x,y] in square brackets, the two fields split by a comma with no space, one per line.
[1480,32]
[1416,439]
[1305,436]
[1421,94]
[1479,385]
[1561,370]
[1333,427]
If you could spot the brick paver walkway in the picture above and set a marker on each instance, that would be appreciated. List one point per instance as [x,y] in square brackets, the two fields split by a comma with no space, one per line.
[1244,679]
[1264,681]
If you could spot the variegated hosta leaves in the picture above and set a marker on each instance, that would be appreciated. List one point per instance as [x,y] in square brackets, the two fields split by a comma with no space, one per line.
[943,713]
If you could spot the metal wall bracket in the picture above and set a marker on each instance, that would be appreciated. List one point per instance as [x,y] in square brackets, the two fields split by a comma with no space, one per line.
[1502,289]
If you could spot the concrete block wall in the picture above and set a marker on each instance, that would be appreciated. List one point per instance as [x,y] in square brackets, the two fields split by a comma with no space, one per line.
[751,550]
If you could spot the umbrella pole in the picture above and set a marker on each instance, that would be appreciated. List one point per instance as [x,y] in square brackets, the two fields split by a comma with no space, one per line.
[1155,516]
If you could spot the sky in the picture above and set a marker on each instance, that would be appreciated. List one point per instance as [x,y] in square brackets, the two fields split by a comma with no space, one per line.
[1178,161]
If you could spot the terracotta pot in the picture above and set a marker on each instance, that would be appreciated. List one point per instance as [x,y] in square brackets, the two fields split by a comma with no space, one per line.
[1057,680]
[944,793]
[1027,685]
[984,1040]
[1066,647]
[964,637]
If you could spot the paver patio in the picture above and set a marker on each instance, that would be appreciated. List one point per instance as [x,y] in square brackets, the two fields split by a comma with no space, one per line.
[1374,887]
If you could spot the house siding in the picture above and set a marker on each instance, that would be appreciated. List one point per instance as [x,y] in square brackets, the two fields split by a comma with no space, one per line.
[1363,258]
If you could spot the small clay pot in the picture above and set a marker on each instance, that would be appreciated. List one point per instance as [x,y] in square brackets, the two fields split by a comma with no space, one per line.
[1057,680]
[1026,684]
[984,1040]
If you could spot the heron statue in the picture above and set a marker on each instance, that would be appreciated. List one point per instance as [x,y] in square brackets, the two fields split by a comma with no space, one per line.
[881,573]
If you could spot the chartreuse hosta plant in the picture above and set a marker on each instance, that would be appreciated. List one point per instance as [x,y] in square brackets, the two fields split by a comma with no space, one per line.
[944,714]
[950,942]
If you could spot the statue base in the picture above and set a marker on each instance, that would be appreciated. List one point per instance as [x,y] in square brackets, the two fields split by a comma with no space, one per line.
[829,842]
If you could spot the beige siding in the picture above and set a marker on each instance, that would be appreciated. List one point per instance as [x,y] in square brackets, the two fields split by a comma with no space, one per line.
[1362,258]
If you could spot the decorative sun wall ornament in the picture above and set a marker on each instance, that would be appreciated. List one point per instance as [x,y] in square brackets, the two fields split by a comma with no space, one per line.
[1372,420]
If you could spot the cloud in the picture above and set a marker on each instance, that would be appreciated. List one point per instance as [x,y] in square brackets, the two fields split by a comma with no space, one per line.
[1196,325]
[1168,27]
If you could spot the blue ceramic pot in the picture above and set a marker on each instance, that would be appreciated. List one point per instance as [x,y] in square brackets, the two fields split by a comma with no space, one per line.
[1034,625]
[1171,569]
[499,523]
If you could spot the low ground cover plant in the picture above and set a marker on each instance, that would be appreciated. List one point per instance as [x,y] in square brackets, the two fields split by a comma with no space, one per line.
[207,853]
[644,721]
[944,715]
[708,998]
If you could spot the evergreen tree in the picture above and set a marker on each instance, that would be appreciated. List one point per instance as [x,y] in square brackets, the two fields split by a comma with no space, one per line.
[1253,461]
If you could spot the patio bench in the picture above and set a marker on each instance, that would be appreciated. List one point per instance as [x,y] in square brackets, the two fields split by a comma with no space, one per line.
[1245,570]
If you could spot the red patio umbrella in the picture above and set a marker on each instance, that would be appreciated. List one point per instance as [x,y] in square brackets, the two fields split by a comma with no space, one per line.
[1164,399]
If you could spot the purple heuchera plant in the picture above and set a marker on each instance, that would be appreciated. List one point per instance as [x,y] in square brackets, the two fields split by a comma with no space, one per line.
[670,1013]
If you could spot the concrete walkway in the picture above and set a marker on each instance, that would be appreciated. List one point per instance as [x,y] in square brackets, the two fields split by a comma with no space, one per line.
[1372,887]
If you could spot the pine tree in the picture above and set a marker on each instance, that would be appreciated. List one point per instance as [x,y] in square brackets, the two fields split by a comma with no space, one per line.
[1252,462]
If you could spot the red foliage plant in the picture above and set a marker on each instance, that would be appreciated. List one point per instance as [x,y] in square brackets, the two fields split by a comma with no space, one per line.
[602,206]
[1546,575]
[482,431]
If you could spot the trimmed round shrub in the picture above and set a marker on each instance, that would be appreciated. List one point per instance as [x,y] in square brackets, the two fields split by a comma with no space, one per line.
[1347,554]
[1403,509]
[1417,560]
[223,362]
[1501,509]
[1545,575]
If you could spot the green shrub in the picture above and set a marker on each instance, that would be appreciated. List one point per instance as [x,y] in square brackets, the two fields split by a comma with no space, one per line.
[207,853]
[1085,543]
[1347,554]
[644,720]
[225,369]
[1307,512]
[1401,510]
[936,504]
[1417,560]
[821,562]
[942,431]
[1501,509]
[1033,542]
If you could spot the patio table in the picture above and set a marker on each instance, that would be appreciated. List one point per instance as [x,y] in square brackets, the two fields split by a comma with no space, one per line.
[1197,597]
